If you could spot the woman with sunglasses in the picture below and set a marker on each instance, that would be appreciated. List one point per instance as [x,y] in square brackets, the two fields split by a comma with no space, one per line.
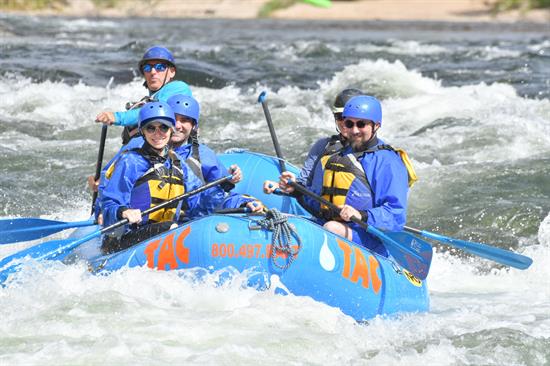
[366,179]
[147,176]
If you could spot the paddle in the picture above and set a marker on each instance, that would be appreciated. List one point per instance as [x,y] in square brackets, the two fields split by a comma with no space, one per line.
[410,252]
[24,229]
[261,99]
[57,248]
[99,162]
[498,255]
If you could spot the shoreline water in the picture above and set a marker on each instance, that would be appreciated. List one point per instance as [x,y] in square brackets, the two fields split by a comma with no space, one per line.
[368,10]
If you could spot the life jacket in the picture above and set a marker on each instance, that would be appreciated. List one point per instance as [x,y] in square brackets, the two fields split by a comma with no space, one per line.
[157,185]
[334,145]
[345,180]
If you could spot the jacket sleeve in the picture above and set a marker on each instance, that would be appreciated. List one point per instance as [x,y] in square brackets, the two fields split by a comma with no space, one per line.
[131,117]
[204,203]
[389,181]
[213,168]
[127,118]
[236,200]
[118,189]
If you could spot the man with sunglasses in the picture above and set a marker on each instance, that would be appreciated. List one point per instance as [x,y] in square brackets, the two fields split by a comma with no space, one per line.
[158,67]
[199,157]
[366,178]
[147,176]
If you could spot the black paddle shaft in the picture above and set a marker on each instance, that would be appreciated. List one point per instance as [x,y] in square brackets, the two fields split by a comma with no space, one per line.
[169,202]
[99,162]
[262,100]
[331,205]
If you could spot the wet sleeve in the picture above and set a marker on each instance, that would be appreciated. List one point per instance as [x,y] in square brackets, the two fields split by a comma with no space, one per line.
[389,182]
[127,118]
[212,168]
[204,203]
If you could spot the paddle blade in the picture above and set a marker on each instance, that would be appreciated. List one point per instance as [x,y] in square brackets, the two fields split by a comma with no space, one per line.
[25,229]
[498,255]
[409,251]
[9,264]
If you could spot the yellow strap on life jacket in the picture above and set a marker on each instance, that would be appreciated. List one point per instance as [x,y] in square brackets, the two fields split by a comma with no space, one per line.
[408,164]
[110,170]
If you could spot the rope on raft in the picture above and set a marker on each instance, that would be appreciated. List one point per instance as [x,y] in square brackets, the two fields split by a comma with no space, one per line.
[282,237]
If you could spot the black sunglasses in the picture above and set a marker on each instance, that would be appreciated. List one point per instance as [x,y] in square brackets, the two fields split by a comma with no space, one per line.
[153,129]
[360,124]
[159,67]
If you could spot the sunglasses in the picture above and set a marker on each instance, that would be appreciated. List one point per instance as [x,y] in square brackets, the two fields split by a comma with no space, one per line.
[159,67]
[360,124]
[153,129]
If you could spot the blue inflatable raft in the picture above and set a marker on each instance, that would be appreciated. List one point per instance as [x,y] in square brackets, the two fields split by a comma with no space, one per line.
[326,267]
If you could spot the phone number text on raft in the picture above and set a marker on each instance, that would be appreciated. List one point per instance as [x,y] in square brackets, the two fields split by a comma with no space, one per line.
[245,251]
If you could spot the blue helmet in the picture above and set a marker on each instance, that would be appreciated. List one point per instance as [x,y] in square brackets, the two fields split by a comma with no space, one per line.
[157,53]
[185,105]
[365,107]
[156,112]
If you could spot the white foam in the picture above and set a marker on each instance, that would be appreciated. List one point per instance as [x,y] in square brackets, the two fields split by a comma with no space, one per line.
[400,47]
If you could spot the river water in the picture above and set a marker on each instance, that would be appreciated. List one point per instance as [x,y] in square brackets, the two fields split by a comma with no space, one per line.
[469,102]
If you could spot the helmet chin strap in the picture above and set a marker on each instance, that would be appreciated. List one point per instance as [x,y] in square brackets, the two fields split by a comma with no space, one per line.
[163,84]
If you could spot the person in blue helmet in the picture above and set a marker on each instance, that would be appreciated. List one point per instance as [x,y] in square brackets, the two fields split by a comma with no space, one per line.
[199,157]
[324,146]
[367,178]
[144,177]
[158,67]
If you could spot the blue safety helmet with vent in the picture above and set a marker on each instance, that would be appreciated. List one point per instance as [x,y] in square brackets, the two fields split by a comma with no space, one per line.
[186,106]
[364,107]
[157,53]
[157,112]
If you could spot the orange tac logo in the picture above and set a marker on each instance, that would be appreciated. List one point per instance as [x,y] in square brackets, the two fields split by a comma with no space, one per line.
[361,269]
[168,251]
